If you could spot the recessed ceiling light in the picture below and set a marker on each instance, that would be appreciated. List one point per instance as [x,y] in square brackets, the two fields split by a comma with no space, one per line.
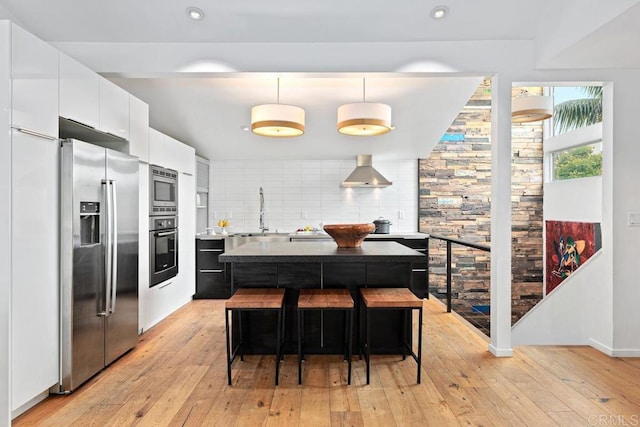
[439,12]
[195,13]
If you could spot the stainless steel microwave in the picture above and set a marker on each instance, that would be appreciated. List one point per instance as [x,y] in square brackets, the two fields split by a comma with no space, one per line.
[163,191]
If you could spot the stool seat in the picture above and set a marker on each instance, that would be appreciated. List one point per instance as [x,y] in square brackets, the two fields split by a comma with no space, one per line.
[325,298]
[390,298]
[254,299]
[246,298]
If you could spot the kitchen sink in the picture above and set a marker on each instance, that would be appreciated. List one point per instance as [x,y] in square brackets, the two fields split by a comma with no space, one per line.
[238,239]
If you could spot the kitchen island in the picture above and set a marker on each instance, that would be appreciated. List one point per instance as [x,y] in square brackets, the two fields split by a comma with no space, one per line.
[321,264]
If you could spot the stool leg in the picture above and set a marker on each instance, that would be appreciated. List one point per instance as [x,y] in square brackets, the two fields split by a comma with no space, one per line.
[346,331]
[282,336]
[300,346]
[419,343]
[349,338]
[241,343]
[367,354]
[278,340]
[226,324]
[403,325]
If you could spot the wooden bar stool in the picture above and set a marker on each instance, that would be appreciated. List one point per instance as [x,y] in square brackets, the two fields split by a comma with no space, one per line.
[254,300]
[325,299]
[392,298]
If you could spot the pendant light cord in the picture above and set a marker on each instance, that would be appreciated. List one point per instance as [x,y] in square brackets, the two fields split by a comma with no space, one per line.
[278,95]
[363,89]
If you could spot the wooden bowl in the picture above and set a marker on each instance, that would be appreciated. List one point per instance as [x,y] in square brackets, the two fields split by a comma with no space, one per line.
[349,235]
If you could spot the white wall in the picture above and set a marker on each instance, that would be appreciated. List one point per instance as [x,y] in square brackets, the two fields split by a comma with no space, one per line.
[573,314]
[625,198]
[5,227]
[307,192]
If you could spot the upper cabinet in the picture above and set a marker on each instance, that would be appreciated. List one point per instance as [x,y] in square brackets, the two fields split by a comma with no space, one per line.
[34,72]
[114,109]
[171,153]
[156,148]
[138,129]
[79,92]
[92,100]
[182,156]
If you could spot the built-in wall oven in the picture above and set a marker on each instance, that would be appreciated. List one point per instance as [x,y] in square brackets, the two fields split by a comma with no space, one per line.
[163,248]
[163,191]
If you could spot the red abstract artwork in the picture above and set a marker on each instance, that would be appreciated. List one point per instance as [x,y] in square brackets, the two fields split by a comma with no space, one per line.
[569,245]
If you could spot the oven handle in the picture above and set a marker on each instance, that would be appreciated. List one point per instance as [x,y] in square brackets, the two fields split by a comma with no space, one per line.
[165,233]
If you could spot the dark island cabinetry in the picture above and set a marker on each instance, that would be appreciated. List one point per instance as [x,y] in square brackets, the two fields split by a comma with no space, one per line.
[212,279]
[419,271]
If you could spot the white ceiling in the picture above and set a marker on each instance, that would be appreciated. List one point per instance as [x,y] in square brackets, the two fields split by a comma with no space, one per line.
[143,46]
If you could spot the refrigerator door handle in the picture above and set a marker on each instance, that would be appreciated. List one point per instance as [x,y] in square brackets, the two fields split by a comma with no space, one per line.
[114,246]
[107,246]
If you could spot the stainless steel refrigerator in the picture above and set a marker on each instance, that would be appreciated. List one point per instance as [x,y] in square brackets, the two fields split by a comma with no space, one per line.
[99,260]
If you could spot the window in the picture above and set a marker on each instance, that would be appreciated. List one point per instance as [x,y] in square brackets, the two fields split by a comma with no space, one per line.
[577,162]
[576,107]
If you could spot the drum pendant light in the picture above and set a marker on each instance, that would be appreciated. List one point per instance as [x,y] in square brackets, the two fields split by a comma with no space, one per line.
[525,109]
[364,118]
[277,120]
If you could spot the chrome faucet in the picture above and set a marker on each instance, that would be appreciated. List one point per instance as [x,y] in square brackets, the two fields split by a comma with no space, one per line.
[262,227]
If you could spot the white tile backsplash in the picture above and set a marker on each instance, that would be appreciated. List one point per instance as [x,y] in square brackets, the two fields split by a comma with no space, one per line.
[307,192]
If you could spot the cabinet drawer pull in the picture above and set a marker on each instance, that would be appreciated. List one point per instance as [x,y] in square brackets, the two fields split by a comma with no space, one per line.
[165,285]
[211,250]
[211,271]
[419,270]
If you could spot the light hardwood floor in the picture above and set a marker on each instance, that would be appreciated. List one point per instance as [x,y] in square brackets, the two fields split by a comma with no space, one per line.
[176,376]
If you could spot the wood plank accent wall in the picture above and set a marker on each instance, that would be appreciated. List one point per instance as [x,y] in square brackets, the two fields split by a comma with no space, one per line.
[454,200]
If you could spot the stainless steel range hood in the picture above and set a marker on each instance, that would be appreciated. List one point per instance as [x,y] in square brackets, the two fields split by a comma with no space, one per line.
[364,175]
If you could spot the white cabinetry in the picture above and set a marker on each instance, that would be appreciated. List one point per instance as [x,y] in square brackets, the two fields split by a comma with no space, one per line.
[187,233]
[168,296]
[34,281]
[87,98]
[138,129]
[165,298]
[183,157]
[157,154]
[143,245]
[79,92]
[34,85]
[114,109]
[5,223]
[170,153]
[34,217]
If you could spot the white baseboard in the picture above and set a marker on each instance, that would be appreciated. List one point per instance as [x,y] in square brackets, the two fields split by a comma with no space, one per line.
[626,352]
[614,352]
[501,352]
[30,404]
[601,347]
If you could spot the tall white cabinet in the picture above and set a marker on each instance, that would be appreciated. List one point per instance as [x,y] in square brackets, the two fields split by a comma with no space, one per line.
[164,298]
[34,213]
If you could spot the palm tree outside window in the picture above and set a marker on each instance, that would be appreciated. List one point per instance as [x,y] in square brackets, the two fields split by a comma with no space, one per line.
[582,108]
